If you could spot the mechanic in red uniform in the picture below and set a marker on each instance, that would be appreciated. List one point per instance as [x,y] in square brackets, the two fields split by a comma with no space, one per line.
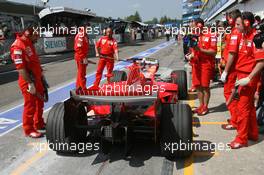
[193,60]
[81,47]
[206,51]
[108,54]
[229,75]
[27,63]
[249,63]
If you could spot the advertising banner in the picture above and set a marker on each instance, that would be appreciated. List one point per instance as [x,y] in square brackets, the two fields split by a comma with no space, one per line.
[57,44]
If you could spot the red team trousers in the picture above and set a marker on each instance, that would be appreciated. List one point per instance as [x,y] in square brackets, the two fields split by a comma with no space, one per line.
[228,86]
[81,73]
[246,119]
[101,65]
[33,108]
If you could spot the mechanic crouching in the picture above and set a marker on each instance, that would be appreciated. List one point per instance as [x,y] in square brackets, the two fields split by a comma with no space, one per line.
[205,52]
[250,62]
[27,63]
[81,47]
[107,50]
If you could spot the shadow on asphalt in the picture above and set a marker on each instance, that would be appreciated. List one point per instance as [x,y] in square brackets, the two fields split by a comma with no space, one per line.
[192,95]
[217,85]
[196,122]
[144,150]
[261,139]
[203,151]
[219,108]
[140,152]
[137,155]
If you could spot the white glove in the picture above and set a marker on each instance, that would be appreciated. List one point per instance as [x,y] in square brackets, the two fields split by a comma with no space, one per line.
[256,97]
[85,61]
[243,82]
[31,88]
[189,56]
[223,77]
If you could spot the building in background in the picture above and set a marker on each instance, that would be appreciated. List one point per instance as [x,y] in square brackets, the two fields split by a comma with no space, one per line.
[216,9]
[191,10]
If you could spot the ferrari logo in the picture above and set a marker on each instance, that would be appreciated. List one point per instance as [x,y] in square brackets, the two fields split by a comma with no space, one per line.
[103,41]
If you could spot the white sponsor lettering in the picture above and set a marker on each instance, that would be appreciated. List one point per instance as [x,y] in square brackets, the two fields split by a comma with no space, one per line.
[233,37]
[17,52]
[52,45]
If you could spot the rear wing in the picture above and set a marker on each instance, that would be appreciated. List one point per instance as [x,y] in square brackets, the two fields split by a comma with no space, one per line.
[96,99]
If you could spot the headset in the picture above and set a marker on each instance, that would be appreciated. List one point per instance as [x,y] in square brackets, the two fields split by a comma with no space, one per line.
[247,23]
[231,21]
[200,25]
[30,32]
[248,19]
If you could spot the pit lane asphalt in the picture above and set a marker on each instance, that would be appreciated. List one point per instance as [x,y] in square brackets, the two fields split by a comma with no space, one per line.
[19,154]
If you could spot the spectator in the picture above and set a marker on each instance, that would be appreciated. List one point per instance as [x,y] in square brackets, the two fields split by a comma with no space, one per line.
[167,33]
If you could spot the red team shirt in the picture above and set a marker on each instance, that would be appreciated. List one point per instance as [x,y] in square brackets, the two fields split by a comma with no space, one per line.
[24,56]
[207,41]
[108,46]
[232,41]
[226,50]
[248,54]
[81,46]
[202,71]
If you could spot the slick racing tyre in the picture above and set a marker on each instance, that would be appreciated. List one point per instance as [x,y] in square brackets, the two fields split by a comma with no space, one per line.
[176,131]
[179,77]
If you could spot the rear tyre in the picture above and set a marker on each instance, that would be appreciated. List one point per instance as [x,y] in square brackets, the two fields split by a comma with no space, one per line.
[118,76]
[179,77]
[60,128]
[56,137]
[176,131]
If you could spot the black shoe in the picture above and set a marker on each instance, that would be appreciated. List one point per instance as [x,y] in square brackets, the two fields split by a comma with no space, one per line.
[42,129]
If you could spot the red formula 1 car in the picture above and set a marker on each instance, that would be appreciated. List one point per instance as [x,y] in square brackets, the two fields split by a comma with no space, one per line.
[141,101]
